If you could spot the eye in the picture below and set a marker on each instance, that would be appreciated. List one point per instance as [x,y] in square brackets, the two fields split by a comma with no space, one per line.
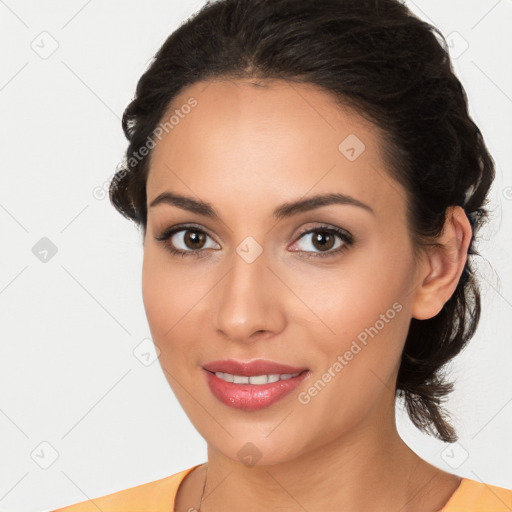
[185,240]
[328,241]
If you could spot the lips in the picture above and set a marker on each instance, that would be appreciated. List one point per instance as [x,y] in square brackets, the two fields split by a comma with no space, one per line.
[249,396]
[251,368]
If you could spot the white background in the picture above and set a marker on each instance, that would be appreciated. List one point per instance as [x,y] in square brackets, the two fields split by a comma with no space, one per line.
[69,326]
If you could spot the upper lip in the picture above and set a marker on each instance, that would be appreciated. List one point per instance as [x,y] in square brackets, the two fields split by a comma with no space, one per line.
[251,368]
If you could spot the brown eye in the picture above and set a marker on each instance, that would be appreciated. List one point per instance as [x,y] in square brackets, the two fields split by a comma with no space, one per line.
[186,241]
[323,240]
[194,239]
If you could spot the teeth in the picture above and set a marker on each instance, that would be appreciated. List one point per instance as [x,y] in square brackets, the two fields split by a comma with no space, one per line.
[255,379]
[260,379]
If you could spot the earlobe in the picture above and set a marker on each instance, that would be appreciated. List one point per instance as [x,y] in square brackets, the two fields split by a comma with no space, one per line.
[443,265]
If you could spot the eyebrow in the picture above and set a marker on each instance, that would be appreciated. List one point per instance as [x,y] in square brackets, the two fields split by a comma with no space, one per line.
[287,209]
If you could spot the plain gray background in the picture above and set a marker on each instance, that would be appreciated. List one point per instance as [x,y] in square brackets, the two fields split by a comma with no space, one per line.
[82,412]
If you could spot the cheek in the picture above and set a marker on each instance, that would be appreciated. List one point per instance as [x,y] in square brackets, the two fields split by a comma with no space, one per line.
[357,359]
[163,307]
[168,292]
[363,310]
[362,291]
[172,299]
[367,333]
[157,302]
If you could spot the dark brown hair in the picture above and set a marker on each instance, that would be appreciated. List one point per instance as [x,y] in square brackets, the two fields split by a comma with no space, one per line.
[391,67]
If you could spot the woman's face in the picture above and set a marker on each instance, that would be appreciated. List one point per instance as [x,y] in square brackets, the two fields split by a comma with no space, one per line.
[253,286]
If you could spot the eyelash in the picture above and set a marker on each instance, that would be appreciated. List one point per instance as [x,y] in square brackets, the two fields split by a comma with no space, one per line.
[345,236]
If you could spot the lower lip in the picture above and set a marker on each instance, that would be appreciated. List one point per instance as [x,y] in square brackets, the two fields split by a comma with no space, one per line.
[251,397]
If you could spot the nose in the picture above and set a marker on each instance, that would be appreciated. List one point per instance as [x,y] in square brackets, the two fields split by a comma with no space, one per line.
[249,301]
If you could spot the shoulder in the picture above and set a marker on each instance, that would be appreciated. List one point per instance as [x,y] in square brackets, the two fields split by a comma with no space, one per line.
[157,496]
[473,496]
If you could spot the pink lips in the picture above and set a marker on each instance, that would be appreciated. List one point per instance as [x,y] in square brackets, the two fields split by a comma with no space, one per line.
[251,397]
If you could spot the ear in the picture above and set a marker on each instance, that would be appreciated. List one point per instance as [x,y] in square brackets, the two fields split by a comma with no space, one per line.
[442,266]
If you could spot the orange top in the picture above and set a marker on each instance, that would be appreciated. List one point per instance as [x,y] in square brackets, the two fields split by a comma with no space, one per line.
[159,495]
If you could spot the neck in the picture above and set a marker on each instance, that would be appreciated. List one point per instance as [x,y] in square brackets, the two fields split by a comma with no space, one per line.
[368,469]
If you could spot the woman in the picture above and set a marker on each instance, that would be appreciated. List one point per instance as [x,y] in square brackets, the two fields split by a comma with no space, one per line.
[309,185]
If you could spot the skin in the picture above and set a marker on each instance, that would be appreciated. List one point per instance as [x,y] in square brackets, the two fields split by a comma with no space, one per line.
[247,149]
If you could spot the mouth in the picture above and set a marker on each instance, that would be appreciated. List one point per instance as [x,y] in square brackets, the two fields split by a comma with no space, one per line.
[254,385]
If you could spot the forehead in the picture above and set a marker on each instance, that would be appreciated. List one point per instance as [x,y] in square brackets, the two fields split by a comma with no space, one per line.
[259,144]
